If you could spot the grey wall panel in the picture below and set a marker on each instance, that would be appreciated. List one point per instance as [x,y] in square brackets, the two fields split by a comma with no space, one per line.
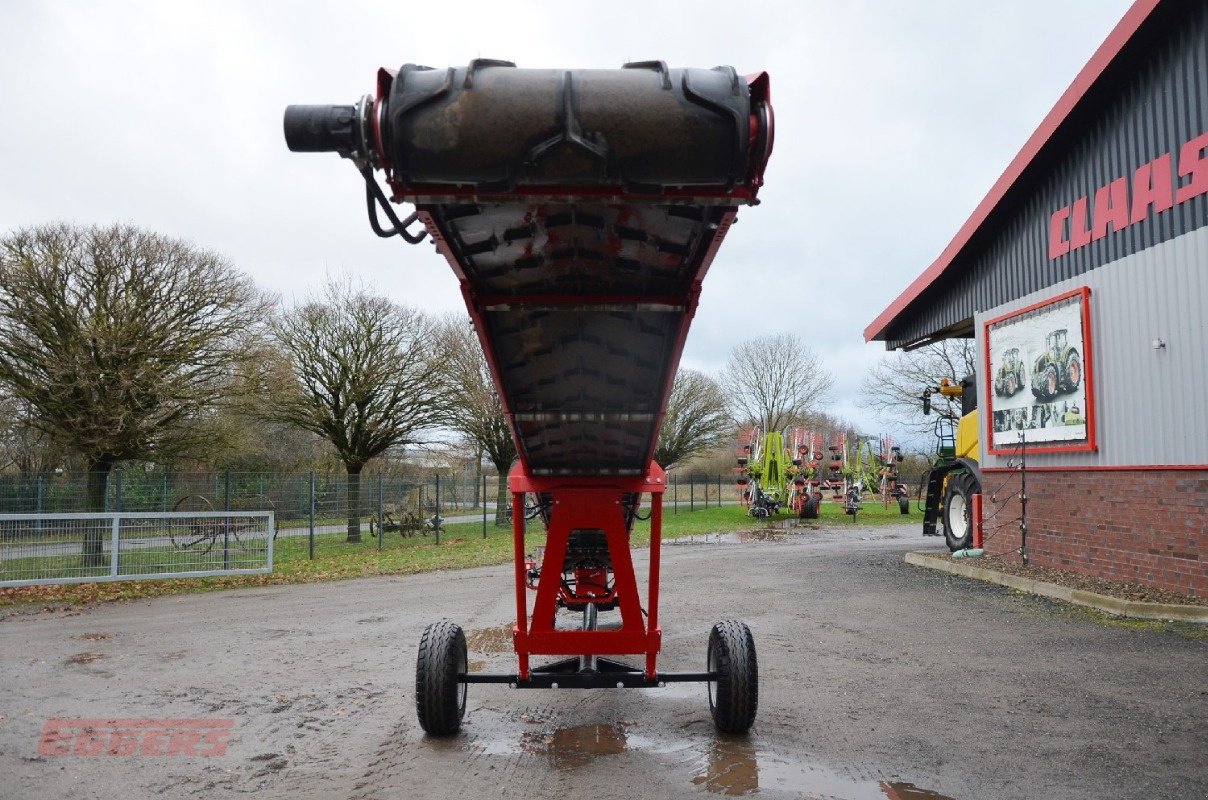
[1151,405]
[1152,100]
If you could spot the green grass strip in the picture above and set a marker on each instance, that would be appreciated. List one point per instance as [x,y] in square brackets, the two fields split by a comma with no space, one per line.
[462,546]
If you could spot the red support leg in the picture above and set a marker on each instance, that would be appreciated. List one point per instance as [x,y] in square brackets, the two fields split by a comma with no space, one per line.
[976,520]
[520,632]
[655,633]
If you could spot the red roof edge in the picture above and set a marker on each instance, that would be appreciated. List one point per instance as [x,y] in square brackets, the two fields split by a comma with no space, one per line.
[1107,52]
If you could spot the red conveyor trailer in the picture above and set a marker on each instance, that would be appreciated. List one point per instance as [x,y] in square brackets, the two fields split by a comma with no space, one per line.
[580,211]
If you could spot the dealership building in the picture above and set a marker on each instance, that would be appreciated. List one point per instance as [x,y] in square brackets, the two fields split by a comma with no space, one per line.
[1083,279]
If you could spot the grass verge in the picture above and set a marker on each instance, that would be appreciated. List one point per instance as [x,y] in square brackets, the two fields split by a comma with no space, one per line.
[462,545]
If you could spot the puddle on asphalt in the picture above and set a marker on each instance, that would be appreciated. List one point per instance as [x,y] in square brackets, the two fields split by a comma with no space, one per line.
[908,791]
[734,767]
[721,765]
[734,537]
[569,748]
[490,640]
[730,767]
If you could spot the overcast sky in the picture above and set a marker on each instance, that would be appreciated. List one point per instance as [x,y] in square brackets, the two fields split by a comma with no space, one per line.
[893,119]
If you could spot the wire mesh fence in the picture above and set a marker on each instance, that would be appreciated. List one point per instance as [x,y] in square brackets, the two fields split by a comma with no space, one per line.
[315,514]
[84,547]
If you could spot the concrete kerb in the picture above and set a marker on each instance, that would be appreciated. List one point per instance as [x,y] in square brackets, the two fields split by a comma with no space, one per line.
[1133,609]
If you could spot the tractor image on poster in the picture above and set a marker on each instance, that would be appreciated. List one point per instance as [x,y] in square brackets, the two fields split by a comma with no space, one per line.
[579,210]
[1058,368]
[1009,378]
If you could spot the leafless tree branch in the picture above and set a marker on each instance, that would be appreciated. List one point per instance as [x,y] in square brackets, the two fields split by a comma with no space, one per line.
[361,372]
[891,389]
[697,419]
[477,411]
[774,381]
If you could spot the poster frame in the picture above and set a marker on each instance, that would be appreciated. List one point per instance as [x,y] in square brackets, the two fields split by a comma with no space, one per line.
[1090,443]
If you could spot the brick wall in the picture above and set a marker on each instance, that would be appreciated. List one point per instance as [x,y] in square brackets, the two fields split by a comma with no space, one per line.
[1142,526]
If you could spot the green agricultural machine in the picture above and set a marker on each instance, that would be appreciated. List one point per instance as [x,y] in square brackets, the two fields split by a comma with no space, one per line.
[777,470]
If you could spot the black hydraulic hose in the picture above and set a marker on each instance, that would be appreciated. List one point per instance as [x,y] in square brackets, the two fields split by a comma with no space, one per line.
[374,198]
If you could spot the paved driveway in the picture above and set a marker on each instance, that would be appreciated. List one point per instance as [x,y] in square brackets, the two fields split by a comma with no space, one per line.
[877,679]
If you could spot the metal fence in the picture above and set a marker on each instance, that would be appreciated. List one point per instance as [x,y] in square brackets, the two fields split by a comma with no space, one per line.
[311,509]
[86,548]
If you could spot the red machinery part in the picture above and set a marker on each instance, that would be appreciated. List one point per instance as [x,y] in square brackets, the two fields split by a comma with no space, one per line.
[977,520]
[588,504]
[580,211]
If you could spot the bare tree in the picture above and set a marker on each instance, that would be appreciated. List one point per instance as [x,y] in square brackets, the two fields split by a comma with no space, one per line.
[774,381]
[362,373]
[119,342]
[696,419]
[23,448]
[477,411]
[891,389]
[828,426]
[253,444]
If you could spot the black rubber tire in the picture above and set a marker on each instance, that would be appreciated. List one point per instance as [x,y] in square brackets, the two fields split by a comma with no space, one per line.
[809,509]
[734,697]
[904,505]
[958,511]
[440,698]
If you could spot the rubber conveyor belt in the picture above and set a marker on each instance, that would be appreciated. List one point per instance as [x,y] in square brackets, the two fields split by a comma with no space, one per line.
[580,210]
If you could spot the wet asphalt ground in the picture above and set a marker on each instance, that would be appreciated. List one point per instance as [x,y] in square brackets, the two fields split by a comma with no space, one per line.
[877,680]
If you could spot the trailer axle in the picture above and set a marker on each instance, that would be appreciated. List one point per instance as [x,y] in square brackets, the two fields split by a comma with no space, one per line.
[608,674]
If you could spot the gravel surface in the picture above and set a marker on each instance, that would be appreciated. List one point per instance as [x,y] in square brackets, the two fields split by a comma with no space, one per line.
[877,680]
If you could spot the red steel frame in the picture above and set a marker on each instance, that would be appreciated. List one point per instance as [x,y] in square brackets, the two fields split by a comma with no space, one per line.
[592,503]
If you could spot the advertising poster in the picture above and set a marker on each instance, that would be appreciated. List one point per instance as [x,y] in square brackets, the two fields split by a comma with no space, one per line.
[1038,376]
